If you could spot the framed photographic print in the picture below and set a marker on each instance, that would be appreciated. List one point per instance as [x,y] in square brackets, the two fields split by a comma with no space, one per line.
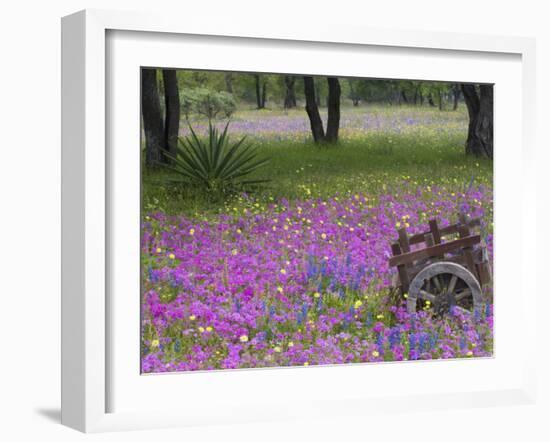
[261,226]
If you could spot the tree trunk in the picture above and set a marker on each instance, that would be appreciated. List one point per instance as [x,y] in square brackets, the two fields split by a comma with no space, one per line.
[264,93]
[353,94]
[229,82]
[313,110]
[152,117]
[258,92]
[290,95]
[172,109]
[456,96]
[480,112]
[333,121]
[404,96]
[472,103]
[440,99]
[317,95]
[484,122]
[430,100]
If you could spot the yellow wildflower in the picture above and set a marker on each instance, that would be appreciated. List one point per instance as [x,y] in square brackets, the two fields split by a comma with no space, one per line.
[192,317]
[375,354]
[191,232]
[172,256]
[243,338]
[155,343]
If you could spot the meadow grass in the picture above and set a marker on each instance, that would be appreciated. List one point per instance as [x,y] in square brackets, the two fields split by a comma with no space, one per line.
[369,163]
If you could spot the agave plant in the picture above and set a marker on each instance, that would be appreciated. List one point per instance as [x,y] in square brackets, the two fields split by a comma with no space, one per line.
[213,162]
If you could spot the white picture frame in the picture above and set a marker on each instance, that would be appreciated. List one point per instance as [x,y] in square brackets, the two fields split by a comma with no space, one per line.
[89,171]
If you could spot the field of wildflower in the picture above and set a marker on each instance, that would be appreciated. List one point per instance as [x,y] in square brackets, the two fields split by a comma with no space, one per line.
[296,273]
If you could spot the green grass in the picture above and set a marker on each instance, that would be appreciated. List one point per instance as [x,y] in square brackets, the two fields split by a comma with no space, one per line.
[369,162]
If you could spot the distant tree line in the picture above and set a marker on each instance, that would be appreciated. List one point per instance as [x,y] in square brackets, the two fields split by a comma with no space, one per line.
[168,94]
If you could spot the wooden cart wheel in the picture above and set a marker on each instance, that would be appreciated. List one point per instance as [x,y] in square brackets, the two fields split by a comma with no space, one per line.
[445,285]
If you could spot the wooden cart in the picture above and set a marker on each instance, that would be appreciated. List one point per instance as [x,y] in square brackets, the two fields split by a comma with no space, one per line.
[442,267]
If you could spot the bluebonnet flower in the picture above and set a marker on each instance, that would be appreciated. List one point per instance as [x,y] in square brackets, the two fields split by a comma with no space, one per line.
[421,342]
[304,310]
[433,340]
[152,275]
[369,319]
[394,337]
[319,303]
[341,293]
[380,342]
[412,345]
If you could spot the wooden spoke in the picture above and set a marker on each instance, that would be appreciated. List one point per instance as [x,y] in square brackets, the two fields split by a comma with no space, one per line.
[462,294]
[452,284]
[437,283]
[427,296]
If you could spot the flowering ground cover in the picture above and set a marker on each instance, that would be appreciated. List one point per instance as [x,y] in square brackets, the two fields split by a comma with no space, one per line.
[293,124]
[296,274]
